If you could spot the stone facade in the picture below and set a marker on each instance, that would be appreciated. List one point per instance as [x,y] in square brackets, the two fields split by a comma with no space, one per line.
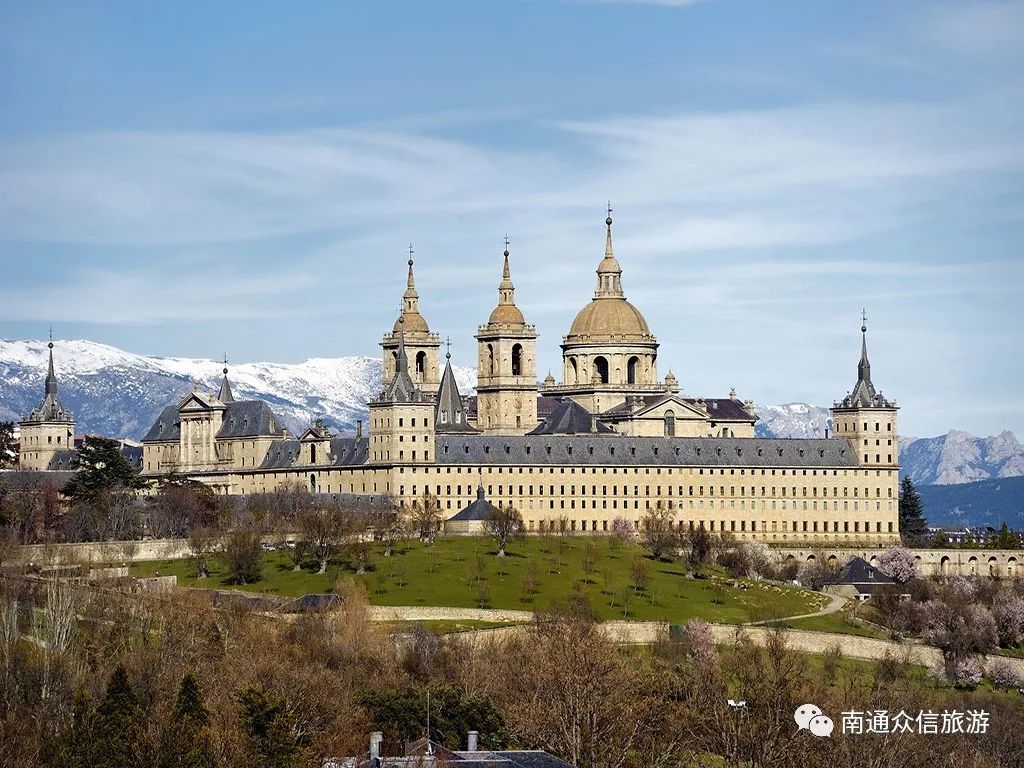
[610,441]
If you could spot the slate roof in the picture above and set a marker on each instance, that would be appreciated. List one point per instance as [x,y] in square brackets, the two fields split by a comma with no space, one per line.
[66,460]
[345,451]
[719,408]
[570,418]
[860,573]
[24,480]
[165,428]
[429,754]
[242,418]
[620,450]
[450,412]
[249,418]
[478,509]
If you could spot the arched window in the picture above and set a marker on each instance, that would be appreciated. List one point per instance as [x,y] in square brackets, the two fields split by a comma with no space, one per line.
[670,424]
[632,367]
[421,364]
[601,366]
[312,483]
[490,358]
[312,453]
[574,373]
[517,359]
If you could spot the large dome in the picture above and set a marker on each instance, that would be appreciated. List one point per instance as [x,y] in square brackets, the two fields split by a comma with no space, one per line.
[612,318]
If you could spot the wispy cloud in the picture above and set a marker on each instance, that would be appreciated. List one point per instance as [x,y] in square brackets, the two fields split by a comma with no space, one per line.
[979,27]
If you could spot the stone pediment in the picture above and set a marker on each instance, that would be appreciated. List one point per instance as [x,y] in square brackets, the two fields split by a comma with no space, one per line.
[679,407]
[199,402]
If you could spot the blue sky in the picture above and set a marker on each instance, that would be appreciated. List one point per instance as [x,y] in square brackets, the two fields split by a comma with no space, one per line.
[189,178]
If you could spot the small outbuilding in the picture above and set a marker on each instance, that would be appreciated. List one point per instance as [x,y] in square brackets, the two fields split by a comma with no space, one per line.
[470,520]
[859,579]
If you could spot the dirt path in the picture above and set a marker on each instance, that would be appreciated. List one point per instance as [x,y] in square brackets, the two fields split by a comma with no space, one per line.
[835,603]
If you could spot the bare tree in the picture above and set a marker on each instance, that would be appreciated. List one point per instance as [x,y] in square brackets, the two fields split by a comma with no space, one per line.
[426,517]
[324,528]
[389,525]
[201,542]
[659,532]
[504,524]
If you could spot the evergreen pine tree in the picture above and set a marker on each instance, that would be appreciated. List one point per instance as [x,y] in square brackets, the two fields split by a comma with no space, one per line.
[78,748]
[8,456]
[187,742]
[117,742]
[102,467]
[269,727]
[913,524]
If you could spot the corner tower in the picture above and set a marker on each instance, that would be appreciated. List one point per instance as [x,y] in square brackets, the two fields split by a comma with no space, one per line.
[506,389]
[422,346]
[866,418]
[50,428]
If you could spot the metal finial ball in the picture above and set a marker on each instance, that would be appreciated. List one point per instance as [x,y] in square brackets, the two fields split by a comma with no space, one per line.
[863,329]
[506,251]
[410,262]
[50,345]
[608,221]
[225,371]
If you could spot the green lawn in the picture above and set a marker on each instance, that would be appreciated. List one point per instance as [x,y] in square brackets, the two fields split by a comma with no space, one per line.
[448,573]
[836,622]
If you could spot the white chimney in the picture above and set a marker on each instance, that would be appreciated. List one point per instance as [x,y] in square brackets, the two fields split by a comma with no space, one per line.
[375,739]
[471,741]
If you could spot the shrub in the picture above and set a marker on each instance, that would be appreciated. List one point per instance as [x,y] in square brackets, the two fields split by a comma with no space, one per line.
[966,672]
[1004,674]
[898,564]
[1008,610]
[698,642]
[243,553]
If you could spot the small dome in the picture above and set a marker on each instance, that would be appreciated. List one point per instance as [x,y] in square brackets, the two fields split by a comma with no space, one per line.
[414,323]
[506,314]
[613,318]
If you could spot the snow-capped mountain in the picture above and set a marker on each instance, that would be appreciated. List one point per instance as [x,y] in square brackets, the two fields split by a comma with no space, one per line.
[113,392]
[792,420]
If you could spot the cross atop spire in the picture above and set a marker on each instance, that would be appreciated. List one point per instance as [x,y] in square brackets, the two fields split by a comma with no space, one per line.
[448,346]
[51,335]
[225,395]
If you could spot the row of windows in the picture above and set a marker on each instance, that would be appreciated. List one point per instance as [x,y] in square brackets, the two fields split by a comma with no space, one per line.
[530,490]
[564,524]
[845,427]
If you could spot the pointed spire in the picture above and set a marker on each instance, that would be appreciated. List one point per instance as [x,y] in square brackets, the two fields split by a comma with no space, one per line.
[608,236]
[506,313]
[410,281]
[225,395]
[864,394]
[51,409]
[609,273]
[403,359]
[51,377]
[864,367]
[449,412]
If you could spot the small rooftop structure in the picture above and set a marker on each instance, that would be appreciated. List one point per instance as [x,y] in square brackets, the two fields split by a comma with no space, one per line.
[427,753]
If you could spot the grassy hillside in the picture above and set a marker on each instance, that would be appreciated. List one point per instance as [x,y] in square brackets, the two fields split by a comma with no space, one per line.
[450,572]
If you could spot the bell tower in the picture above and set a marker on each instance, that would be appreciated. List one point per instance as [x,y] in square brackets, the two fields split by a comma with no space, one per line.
[866,418]
[49,428]
[421,346]
[507,367]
